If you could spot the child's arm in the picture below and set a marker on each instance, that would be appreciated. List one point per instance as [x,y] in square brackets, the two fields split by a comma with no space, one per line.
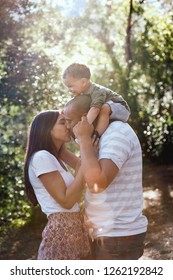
[92,114]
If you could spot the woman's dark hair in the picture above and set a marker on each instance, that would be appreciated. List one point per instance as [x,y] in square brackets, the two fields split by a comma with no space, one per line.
[39,138]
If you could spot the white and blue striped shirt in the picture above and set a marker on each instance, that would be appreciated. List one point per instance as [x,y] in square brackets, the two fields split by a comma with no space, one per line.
[117,211]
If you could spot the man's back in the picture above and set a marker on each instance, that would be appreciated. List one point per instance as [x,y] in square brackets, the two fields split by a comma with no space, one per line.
[117,211]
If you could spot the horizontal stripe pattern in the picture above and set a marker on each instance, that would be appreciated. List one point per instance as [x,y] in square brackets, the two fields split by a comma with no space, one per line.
[118,210]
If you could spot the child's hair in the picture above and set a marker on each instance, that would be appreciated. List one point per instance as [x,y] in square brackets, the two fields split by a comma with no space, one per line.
[77,70]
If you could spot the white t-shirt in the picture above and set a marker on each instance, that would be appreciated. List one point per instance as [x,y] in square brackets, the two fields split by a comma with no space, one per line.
[43,162]
[117,211]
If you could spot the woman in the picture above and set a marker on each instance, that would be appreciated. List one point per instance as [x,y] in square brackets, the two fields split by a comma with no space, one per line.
[49,183]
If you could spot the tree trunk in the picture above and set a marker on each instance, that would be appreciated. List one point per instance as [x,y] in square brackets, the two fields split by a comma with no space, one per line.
[128,52]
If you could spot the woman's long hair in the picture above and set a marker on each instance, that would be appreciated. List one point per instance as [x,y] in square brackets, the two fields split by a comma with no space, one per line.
[39,138]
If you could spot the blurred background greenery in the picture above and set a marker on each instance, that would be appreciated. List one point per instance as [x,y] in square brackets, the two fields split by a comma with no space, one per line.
[128,46]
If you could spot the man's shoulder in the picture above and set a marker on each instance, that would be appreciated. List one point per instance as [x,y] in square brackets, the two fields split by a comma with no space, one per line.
[120,132]
[118,126]
[118,129]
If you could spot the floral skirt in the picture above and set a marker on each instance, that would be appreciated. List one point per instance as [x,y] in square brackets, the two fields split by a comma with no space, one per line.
[65,238]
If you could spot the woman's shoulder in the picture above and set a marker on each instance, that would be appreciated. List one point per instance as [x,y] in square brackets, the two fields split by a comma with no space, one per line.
[44,160]
[42,155]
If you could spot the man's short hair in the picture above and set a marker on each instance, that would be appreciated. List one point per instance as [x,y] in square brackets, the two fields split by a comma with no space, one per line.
[77,70]
[80,103]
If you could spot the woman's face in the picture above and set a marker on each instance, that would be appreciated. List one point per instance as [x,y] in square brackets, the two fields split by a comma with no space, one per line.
[60,132]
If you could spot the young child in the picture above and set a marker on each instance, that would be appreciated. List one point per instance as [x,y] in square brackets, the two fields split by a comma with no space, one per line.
[105,103]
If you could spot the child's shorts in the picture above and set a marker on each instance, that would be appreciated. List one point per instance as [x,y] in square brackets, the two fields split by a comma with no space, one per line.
[118,111]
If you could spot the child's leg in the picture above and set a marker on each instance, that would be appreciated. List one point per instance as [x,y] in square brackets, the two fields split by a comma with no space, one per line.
[103,119]
[119,112]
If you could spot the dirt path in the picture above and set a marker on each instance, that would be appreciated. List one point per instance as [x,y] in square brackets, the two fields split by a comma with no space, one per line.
[158,202]
[23,243]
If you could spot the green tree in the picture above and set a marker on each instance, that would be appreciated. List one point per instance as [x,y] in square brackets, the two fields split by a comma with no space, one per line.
[152,84]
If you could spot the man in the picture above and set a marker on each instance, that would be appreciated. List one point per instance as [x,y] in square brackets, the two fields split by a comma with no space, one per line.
[114,199]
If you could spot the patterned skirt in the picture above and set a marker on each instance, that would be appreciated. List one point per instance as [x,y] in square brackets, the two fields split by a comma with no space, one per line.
[65,238]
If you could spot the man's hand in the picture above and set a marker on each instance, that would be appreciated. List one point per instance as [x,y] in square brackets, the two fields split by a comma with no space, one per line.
[82,128]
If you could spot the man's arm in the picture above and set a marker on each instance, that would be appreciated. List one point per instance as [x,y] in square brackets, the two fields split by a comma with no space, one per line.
[98,174]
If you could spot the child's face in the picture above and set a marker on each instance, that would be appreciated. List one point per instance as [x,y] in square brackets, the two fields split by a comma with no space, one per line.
[76,86]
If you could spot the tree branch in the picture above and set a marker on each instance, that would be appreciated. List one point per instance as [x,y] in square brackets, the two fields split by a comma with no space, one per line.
[128,52]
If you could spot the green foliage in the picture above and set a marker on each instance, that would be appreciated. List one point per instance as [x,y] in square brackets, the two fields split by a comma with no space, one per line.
[152,83]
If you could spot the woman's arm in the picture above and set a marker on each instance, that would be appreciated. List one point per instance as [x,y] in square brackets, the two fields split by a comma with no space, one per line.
[56,187]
